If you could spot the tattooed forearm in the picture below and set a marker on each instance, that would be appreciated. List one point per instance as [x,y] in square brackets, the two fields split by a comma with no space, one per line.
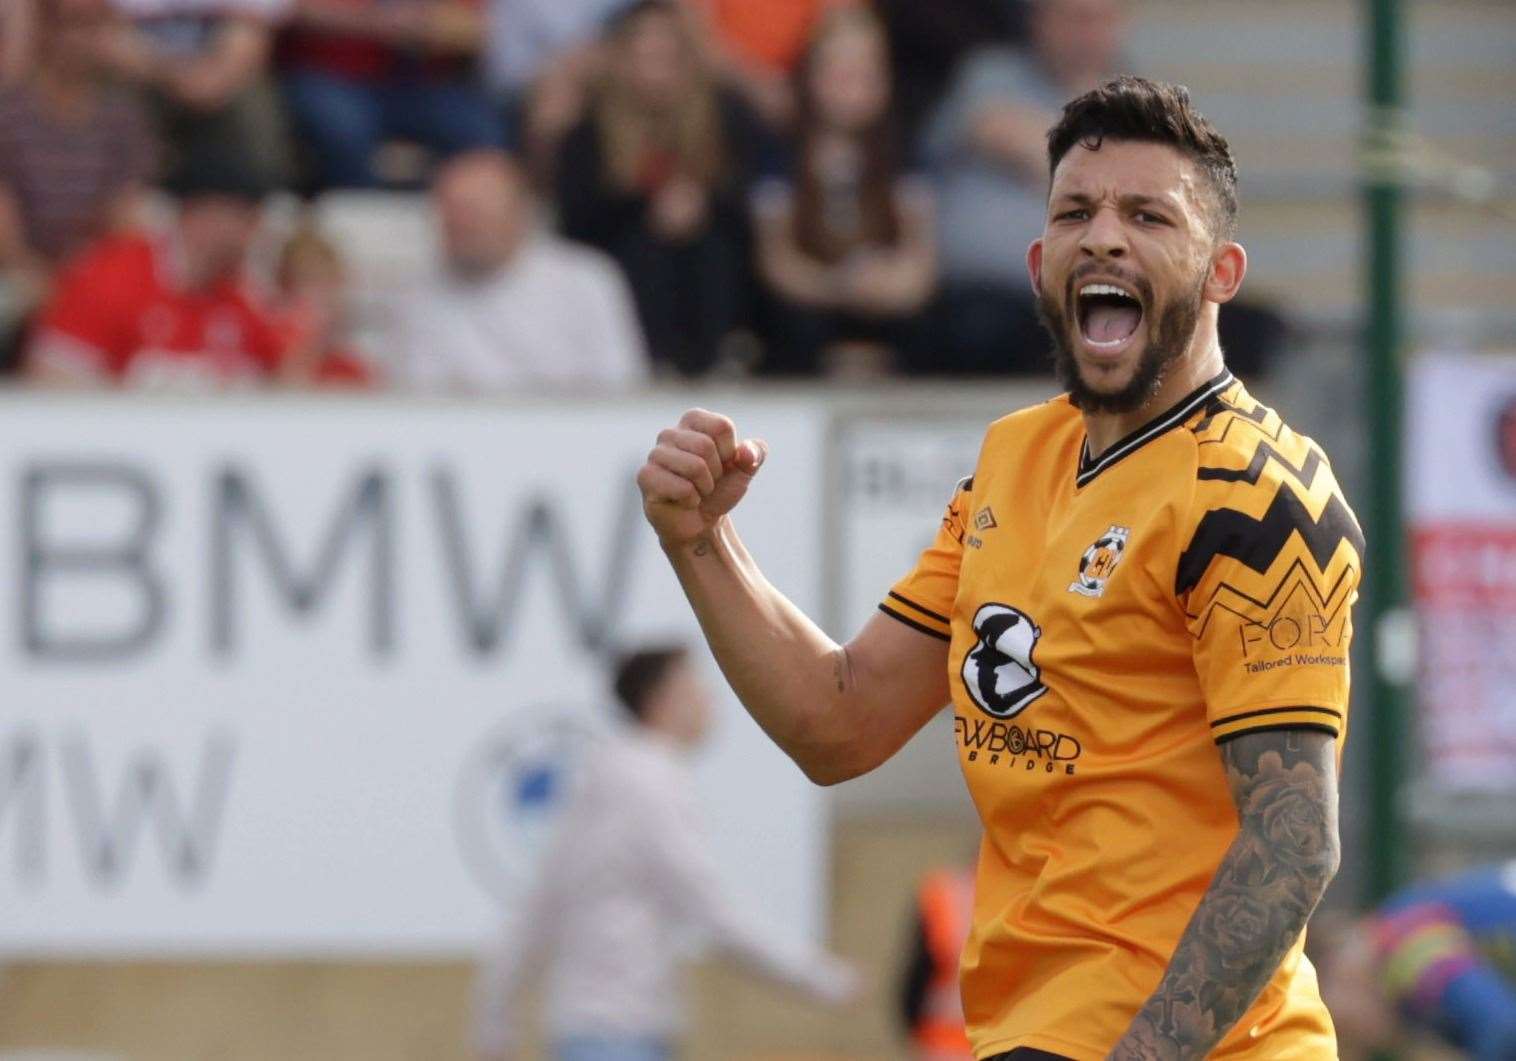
[1285,786]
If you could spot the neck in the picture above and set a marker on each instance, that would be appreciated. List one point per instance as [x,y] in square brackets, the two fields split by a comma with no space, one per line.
[1201,362]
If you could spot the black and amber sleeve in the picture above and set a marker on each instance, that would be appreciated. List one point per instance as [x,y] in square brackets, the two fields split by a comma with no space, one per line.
[1267,579]
[924,598]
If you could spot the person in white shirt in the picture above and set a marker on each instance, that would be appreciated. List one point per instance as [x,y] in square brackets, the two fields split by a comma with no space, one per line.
[516,308]
[623,888]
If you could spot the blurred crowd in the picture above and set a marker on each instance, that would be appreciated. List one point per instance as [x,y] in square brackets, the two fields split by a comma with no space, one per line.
[618,190]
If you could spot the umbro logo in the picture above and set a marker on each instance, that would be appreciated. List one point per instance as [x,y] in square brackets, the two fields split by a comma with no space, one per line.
[984,520]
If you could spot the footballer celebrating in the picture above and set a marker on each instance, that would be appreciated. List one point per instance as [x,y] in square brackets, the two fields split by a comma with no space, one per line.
[1138,606]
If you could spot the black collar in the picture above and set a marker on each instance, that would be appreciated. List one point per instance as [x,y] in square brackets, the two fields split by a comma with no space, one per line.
[1172,417]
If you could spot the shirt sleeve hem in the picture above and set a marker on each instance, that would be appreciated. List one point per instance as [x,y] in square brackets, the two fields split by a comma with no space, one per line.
[1319,727]
[913,606]
[913,624]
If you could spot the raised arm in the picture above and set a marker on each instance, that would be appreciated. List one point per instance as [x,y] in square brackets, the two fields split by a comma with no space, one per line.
[1284,783]
[837,710]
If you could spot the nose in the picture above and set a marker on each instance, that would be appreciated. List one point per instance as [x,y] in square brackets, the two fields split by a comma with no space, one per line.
[1104,236]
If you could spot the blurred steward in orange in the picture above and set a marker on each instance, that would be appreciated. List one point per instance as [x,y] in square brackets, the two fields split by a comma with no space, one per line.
[930,997]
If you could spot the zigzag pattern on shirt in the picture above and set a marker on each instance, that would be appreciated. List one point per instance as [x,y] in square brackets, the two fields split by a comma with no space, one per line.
[1305,475]
[1218,405]
[1231,599]
[1255,418]
[1257,543]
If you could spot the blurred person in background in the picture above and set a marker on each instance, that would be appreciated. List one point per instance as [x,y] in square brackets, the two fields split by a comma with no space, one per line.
[541,59]
[167,309]
[626,886]
[310,314]
[1438,957]
[927,42]
[75,156]
[757,47]
[931,1002]
[359,73]
[203,65]
[987,148]
[17,41]
[845,244]
[518,307]
[658,176]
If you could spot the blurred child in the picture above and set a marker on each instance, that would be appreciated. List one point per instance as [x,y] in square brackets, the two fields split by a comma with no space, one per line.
[629,877]
[845,244]
[310,311]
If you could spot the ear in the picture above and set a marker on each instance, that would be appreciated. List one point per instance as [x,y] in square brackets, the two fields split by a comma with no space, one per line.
[1229,263]
[1034,266]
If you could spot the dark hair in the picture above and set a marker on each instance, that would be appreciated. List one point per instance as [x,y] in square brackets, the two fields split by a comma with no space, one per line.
[218,170]
[639,673]
[1155,112]
[876,220]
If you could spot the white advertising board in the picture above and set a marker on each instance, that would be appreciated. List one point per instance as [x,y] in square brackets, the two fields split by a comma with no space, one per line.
[1461,463]
[269,665]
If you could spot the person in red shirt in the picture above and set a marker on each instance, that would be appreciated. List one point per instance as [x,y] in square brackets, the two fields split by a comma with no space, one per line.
[169,308]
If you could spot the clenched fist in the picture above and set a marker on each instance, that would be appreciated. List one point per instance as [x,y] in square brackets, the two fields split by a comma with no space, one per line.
[696,474]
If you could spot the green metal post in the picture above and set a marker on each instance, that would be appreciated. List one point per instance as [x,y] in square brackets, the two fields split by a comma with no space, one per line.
[1389,630]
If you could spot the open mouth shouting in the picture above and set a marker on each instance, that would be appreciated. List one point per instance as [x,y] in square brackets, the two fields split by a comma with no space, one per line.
[1109,315]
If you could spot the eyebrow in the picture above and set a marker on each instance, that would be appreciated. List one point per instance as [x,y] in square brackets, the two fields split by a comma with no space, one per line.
[1130,201]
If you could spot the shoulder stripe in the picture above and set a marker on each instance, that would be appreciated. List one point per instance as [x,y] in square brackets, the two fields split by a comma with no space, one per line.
[913,624]
[1258,542]
[924,611]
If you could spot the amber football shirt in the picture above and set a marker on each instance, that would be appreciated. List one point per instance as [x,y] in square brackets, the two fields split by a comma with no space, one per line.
[1110,620]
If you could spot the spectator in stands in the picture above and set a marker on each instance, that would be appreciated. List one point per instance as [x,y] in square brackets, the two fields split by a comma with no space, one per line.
[987,147]
[74,156]
[204,66]
[627,887]
[358,73]
[17,43]
[927,42]
[542,57]
[757,46]
[518,308]
[170,309]
[310,311]
[658,176]
[846,245]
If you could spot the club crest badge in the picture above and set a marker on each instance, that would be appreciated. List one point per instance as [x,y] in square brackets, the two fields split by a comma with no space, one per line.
[1099,562]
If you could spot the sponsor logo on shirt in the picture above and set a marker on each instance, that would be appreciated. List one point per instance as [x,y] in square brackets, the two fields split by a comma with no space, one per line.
[996,743]
[1000,673]
[1307,633]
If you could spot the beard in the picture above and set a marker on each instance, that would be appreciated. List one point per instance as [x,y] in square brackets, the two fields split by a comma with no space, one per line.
[1165,344]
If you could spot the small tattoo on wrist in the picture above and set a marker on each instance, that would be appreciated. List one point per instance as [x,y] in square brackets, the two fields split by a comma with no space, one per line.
[702,547]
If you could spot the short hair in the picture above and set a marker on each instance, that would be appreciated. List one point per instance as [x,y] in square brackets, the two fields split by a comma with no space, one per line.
[1154,112]
[639,673]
